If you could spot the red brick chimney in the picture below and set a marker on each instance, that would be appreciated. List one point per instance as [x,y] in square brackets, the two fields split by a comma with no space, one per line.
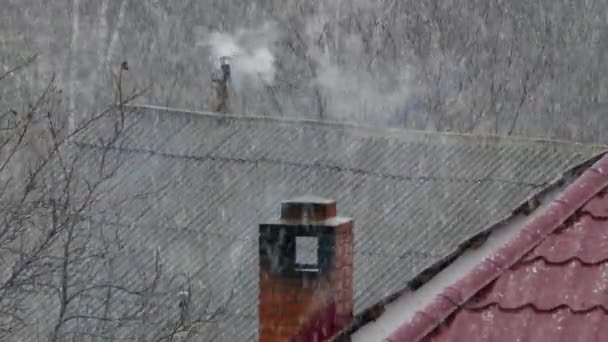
[306,272]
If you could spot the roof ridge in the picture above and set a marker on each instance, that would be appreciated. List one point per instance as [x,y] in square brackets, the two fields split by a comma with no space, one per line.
[383,131]
[593,180]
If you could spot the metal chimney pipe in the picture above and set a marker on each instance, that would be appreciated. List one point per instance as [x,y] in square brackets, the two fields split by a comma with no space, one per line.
[225,62]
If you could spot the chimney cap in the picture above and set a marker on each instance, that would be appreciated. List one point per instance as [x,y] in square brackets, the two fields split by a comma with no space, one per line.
[310,199]
[308,208]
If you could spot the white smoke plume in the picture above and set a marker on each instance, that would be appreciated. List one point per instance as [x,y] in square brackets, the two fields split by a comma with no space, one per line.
[249,49]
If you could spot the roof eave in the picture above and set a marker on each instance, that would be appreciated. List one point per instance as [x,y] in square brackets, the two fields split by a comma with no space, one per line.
[587,185]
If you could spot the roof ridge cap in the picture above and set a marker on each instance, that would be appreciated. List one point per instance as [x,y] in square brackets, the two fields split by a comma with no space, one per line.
[579,192]
[382,131]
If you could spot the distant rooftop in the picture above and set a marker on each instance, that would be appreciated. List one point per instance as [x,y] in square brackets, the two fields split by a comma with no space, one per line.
[414,196]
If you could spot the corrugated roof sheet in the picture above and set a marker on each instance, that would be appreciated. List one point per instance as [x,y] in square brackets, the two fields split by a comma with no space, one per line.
[557,292]
[414,196]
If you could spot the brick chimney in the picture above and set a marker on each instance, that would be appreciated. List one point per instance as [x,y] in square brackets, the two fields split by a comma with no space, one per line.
[306,272]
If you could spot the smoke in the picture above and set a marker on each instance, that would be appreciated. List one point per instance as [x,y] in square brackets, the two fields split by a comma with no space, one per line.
[356,77]
[357,86]
[353,94]
[250,52]
[352,80]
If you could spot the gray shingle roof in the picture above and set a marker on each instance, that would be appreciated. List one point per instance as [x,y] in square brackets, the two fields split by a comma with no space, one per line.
[414,196]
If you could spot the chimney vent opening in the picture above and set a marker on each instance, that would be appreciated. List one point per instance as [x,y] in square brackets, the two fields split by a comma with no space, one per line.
[307,253]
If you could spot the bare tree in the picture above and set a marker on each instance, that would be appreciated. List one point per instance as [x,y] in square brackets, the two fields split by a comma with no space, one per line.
[64,238]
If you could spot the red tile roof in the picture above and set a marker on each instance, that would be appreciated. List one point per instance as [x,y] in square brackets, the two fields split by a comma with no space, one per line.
[550,283]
